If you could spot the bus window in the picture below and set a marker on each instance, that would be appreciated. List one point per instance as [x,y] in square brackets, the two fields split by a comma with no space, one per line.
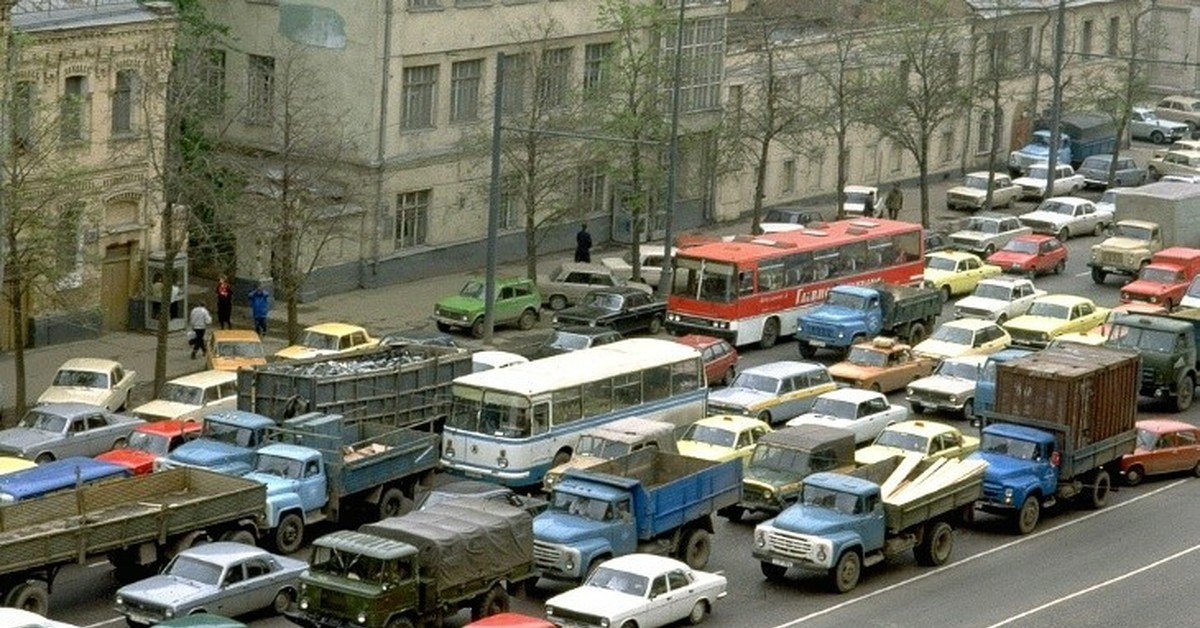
[852,258]
[746,282]
[797,270]
[824,262]
[685,376]
[880,253]
[541,418]
[597,397]
[627,390]
[908,246]
[567,406]
[657,383]
[715,284]
[771,277]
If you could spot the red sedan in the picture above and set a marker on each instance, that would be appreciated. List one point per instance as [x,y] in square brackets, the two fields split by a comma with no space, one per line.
[150,442]
[720,358]
[1031,255]
[1163,446]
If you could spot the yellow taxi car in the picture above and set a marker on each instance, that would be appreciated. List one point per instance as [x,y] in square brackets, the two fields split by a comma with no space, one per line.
[9,464]
[722,437]
[328,339]
[883,365]
[962,337]
[928,438]
[1097,335]
[233,349]
[956,272]
[1052,316]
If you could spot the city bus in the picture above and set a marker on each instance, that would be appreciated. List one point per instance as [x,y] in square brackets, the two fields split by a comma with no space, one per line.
[511,425]
[749,289]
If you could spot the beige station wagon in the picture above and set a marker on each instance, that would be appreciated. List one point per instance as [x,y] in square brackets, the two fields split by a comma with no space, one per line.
[567,284]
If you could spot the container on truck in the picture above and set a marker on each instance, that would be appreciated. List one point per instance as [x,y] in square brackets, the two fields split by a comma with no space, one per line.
[1147,219]
[852,314]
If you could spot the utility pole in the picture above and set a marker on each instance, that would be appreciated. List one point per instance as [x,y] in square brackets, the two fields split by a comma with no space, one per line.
[493,227]
[1060,36]
[664,279]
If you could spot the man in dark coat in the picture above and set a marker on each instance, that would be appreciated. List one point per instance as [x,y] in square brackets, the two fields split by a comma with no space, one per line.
[583,245]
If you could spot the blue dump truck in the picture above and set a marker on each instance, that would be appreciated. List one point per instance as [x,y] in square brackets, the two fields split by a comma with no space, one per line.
[226,444]
[844,522]
[1063,418]
[854,314]
[1082,135]
[647,501]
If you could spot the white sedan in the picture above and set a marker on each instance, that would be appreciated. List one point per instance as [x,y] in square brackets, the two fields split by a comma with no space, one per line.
[962,337]
[93,381]
[864,412]
[19,618]
[639,589]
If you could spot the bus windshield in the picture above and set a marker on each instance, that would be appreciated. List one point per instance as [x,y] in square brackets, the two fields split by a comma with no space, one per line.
[703,280]
[495,414]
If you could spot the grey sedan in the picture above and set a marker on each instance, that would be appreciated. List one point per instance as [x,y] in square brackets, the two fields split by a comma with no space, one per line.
[231,579]
[57,430]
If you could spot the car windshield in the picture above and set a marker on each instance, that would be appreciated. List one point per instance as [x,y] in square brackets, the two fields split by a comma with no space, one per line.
[963,370]
[472,289]
[937,262]
[1127,337]
[846,300]
[600,447]
[1161,275]
[846,503]
[240,436]
[157,444]
[1108,198]
[1146,439]
[977,182]
[1057,207]
[1037,172]
[620,581]
[239,349]
[953,335]
[993,443]
[567,340]
[754,381]
[36,420]
[995,291]
[834,407]
[319,341]
[1133,231]
[603,300]
[278,465]
[581,506]
[774,458]
[903,440]
[1021,246]
[194,569]
[709,435]
[182,393]
[352,565]
[1050,310]
[866,356]
[85,379]
[982,225]
[857,197]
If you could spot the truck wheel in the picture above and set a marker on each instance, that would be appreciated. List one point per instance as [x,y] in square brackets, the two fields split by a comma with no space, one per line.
[392,503]
[696,548]
[916,333]
[1098,275]
[699,613]
[934,550]
[245,537]
[772,572]
[494,602]
[1134,475]
[1026,519]
[289,534]
[1184,392]
[527,320]
[31,595]
[770,333]
[558,302]
[1101,485]
[844,575]
[655,326]
[807,351]
[735,513]
[477,328]
[444,328]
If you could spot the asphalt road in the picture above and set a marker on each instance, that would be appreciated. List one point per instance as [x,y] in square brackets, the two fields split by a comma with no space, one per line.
[1130,563]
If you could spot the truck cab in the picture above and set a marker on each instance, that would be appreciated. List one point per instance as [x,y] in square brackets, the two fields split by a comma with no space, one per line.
[1167,345]
[852,314]
[296,481]
[361,576]
[1128,247]
[782,460]
[590,522]
[1022,466]
[1038,149]
[226,444]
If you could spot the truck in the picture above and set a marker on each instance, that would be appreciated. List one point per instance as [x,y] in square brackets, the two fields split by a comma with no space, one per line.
[1165,279]
[782,459]
[845,522]
[138,522]
[1167,345]
[1063,417]
[322,467]
[403,386]
[623,308]
[852,314]
[1147,219]
[418,569]
[226,443]
[648,501]
[609,440]
[1082,135]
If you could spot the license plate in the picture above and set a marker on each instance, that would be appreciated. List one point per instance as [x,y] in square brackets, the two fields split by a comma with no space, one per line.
[816,343]
[1109,269]
[473,474]
[781,562]
[1017,266]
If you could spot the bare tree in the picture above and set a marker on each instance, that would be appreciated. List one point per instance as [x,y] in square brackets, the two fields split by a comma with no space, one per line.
[994,68]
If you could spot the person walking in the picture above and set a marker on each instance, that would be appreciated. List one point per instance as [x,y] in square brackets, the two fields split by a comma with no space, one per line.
[260,304]
[894,201]
[868,206]
[224,303]
[583,245]
[199,319]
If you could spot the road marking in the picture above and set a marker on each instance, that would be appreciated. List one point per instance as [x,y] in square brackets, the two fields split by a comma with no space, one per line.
[974,557]
[1084,274]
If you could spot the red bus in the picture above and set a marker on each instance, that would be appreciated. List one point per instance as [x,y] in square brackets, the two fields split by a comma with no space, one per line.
[750,289]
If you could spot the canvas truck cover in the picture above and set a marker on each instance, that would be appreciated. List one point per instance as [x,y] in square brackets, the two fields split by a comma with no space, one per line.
[463,540]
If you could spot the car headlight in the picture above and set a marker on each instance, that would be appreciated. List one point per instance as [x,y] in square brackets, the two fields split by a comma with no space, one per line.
[1154,299]
[953,398]
[362,617]
[910,392]
[549,611]
[120,601]
[768,493]
[304,604]
[603,622]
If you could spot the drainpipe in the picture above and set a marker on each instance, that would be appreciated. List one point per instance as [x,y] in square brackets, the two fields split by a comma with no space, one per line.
[381,138]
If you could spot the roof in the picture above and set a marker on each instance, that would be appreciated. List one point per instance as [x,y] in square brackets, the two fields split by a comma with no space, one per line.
[811,238]
[1028,237]
[698,341]
[976,360]
[1177,252]
[973,324]
[854,395]
[954,255]
[805,436]
[50,15]
[1160,426]
[287,450]
[1181,98]
[784,368]
[648,565]
[1167,190]
[1068,300]
[1068,200]
[224,552]
[203,379]
[240,417]
[335,329]
[169,427]
[365,544]
[733,422]
[1144,224]
[66,410]
[99,365]
[235,335]
[921,427]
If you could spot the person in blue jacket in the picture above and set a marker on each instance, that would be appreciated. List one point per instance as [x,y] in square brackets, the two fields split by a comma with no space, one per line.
[260,304]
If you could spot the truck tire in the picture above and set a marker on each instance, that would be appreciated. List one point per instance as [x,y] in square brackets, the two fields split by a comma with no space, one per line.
[31,595]
[289,534]
[494,602]
[1184,392]
[807,351]
[245,537]
[770,333]
[1101,483]
[393,503]
[934,550]
[916,333]
[772,572]
[695,548]
[1098,275]
[1026,518]
[843,577]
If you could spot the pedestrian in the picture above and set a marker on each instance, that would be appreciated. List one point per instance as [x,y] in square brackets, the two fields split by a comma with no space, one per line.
[260,304]
[868,206]
[224,303]
[894,201]
[583,245]
[199,319]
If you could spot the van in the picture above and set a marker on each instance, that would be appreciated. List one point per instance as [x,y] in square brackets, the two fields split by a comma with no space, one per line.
[1191,296]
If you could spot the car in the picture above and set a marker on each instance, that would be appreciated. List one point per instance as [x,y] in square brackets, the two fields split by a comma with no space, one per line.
[720,358]
[94,381]
[328,339]
[1163,446]
[1097,335]
[951,388]
[192,396]
[983,233]
[972,194]
[478,489]
[20,618]
[1095,171]
[864,412]
[777,219]
[1031,255]
[930,439]
[1185,109]
[643,590]
[1034,184]
[568,283]
[881,364]
[233,349]
[57,430]
[956,272]
[857,197]
[651,264]
[567,339]
[1053,315]
[773,392]
[1108,202]
[624,308]
[421,337]
[518,302]
[228,578]
[1066,216]
[936,241]
[201,620]
[999,299]
[1144,124]
[151,442]
[1177,162]
[965,336]
[722,437]
[509,620]
[489,359]
[1165,280]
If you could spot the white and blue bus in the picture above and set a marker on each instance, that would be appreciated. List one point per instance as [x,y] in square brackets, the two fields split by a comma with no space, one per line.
[511,425]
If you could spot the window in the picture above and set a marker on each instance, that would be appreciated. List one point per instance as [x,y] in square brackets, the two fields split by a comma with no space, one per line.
[998,55]
[554,77]
[1024,47]
[897,158]
[412,218]
[260,92]
[947,146]
[24,100]
[68,247]
[734,106]
[789,176]
[594,58]
[73,117]
[214,81]
[122,104]
[984,133]
[1085,39]
[511,203]
[589,190]
[1114,36]
[420,89]
[465,77]
[703,58]
[423,4]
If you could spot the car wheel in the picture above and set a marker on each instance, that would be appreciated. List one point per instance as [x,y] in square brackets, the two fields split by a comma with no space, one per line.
[764,416]
[283,601]
[1153,172]
[945,294]
[120,443]
[989,249]
[1098,229]
[1062,265]
[1196,470]
[1157,137]
[1134,475]
[527,321]
[477,328]
[558,302]
[1064,234]
[968,409]
[44,458]
[1003,318]
[730,374]
[655,326]
[917,408]
[699,613]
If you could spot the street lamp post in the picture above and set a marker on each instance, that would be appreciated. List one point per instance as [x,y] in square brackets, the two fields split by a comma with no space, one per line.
[664,280]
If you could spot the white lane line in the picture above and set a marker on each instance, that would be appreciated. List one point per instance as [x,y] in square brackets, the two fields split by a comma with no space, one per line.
[1084,274]
[1097,586]
[974,557]
[105,622]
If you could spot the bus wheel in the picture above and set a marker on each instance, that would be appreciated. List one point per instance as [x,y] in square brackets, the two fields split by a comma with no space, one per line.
[770,333]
